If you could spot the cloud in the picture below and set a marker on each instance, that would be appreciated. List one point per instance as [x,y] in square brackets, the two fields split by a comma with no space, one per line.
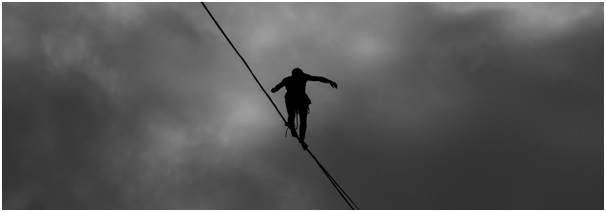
[103,111]
[439,106]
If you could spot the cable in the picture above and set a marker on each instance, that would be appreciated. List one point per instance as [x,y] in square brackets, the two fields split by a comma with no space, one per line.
[245,63]
[335,184]
[332,180]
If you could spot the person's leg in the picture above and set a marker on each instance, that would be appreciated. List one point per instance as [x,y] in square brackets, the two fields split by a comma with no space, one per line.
[290,109]
[303,126]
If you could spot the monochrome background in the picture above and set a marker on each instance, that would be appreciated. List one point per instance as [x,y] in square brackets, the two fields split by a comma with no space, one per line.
[439,105]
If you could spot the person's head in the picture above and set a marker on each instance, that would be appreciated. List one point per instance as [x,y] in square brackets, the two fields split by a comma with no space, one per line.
[297,72]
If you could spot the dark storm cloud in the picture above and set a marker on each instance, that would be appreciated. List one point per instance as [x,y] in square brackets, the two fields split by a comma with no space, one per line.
[439,106]
[98,87]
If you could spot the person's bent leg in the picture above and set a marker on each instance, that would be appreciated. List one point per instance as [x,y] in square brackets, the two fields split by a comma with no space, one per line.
[303,126]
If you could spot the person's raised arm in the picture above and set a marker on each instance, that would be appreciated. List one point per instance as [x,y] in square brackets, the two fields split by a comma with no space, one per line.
[324,80]
[278,86]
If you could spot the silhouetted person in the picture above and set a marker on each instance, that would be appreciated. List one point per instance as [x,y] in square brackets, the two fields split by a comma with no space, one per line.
[297,100]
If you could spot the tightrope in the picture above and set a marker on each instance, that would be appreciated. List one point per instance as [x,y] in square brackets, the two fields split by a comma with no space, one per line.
[332,180]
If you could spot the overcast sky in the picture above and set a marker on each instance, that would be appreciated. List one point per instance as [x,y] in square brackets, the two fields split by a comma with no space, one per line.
[439,106]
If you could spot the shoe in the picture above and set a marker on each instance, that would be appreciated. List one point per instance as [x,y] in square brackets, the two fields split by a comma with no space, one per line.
[303,144]
[293,131]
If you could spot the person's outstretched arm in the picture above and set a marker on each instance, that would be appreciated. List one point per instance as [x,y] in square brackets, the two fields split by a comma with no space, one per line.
[324,80]
[278,87]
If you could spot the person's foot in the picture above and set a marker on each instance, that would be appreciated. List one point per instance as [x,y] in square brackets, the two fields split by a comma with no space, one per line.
[293,131]
[303,144]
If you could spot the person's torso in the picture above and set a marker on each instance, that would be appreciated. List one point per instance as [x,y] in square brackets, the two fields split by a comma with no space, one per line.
[295,85]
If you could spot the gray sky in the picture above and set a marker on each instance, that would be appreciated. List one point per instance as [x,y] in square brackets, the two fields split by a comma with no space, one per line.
[439,106]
